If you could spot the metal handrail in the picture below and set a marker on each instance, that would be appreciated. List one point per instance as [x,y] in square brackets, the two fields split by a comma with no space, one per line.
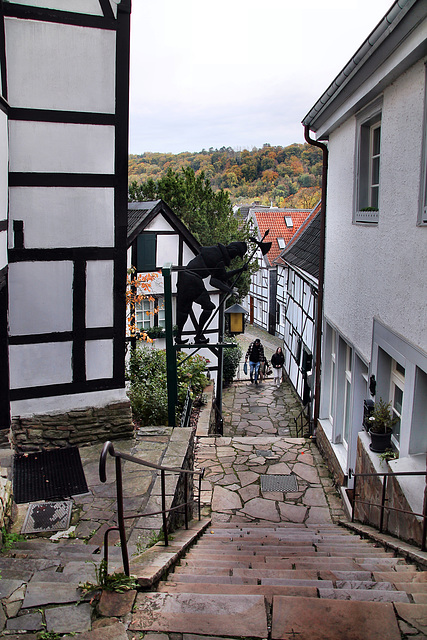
[299,419]
[384,499]
[119,456]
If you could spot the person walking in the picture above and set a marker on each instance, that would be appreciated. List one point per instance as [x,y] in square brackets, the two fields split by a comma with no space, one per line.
[255,354]
[277,362]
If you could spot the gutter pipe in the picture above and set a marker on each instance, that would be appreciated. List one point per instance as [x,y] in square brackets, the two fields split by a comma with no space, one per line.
[319,314]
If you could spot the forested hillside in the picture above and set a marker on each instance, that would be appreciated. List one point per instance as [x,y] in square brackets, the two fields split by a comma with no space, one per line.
[286,176]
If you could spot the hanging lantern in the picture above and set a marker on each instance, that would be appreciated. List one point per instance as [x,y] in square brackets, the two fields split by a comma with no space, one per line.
[236,315]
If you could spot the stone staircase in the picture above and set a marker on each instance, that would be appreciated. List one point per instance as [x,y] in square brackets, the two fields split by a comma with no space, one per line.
[314,582]
[39,586]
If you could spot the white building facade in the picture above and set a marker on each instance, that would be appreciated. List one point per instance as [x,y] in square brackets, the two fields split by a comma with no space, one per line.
[374,121]
[64,131]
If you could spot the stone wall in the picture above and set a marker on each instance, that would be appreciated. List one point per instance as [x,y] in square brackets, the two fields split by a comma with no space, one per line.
[181,446]
[404,526]
[78,427]
[329,456]
[5,500]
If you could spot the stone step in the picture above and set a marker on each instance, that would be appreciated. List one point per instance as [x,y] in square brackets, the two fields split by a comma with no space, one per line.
[411,587]
[318,619]
[209,578]
[239,589]
[403,573]
[364,595]
[47,548]
[201,614]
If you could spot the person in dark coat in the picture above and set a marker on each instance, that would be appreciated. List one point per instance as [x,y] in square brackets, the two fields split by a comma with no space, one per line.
[277,362]
[255,354]
[210,261]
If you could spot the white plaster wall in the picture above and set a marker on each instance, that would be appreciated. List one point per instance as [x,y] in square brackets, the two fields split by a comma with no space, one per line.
[41,295]
[58,66]
[187,254]
[56,147]
[4,158]
[167,250]
[3,249]
[60,404]
[99,293]
[74,216]
[99,359]
[90,7]
[3,186]
[40,364]
[379,270]
[159,224]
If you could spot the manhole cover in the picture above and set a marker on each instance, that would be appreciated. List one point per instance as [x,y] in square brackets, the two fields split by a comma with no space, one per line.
[47,516]
[285,483]
[265,454]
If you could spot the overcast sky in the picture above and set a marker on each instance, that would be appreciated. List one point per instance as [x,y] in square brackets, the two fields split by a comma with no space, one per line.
[236,73]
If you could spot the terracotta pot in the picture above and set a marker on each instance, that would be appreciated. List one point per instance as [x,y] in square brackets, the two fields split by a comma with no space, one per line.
[380,441]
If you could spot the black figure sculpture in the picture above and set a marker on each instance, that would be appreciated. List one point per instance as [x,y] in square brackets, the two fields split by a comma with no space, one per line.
[211,261]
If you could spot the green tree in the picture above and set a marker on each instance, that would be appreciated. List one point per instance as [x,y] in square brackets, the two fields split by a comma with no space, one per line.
[207,214]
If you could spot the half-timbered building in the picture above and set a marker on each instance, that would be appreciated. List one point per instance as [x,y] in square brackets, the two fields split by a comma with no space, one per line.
[63,208]
[266,299]
[157,237]
[301,259]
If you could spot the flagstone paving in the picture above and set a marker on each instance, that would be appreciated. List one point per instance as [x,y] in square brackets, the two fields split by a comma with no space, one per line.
[271,564]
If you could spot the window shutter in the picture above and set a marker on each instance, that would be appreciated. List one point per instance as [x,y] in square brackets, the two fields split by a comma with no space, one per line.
[146,252]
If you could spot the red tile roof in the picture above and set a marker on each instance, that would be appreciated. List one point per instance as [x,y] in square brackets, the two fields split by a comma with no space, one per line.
[301,229]
[275,221]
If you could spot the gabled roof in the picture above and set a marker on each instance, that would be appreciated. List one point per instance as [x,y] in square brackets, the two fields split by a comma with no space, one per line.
[140,214]
[400,22]
[303,250]
[274,219]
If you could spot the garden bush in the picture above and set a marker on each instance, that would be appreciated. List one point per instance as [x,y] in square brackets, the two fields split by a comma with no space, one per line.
[232,358]
[147,378]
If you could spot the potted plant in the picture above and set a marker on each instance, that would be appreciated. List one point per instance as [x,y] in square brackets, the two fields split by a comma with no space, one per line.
[381,426]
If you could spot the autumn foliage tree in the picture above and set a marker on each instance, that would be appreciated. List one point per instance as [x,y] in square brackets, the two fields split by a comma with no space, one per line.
[269,174]
[138,288]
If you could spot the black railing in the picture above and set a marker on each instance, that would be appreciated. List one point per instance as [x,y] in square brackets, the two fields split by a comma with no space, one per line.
[384,499]
[186,410]
[119,456]
[302,420]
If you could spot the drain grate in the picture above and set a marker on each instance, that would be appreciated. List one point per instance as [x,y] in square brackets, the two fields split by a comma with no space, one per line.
[47,516]
[284,483]
[48,475]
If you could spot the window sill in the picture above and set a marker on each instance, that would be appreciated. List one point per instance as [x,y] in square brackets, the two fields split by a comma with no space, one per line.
[366,217]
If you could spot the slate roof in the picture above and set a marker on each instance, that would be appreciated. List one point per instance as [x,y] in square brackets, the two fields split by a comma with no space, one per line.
[303,250]
[140,214]
[274,219]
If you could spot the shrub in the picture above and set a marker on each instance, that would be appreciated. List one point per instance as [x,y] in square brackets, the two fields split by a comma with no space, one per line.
[147,390]
[232,358]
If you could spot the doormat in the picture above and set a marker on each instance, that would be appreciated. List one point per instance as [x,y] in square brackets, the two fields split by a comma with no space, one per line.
[284,483]
[53,474]
[47,516]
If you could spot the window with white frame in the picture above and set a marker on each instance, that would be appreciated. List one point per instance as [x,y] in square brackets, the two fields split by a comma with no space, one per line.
[400,368]
[333,360]
[347,394]
[397,387]
[368,148]
[150,312]
[422,219]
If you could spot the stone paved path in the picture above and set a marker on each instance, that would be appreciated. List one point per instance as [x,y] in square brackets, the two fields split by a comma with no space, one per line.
[259,440]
